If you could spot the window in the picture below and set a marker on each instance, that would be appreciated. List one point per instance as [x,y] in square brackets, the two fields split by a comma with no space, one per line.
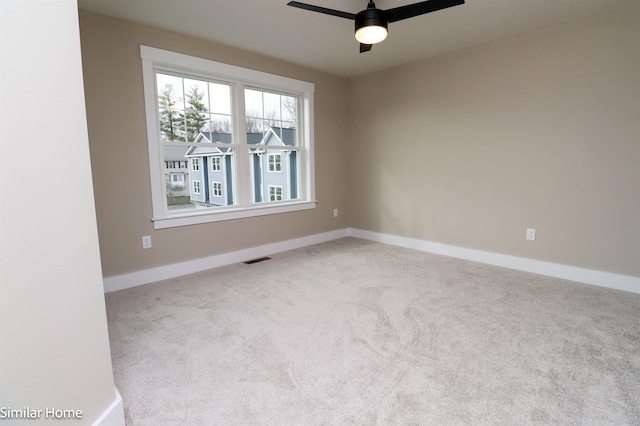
[215,164]
[177,180]
[196,186]
[275,163]
[275,193]
[243,122]
[217,189]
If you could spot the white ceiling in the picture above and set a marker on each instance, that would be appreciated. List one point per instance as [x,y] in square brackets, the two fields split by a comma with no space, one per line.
[326,43]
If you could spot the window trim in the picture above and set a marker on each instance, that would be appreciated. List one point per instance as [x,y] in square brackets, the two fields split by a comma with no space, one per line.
[153,58]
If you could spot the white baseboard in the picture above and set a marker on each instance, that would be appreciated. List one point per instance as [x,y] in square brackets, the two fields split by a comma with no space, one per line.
[114,415]
[587,276]
[160,273]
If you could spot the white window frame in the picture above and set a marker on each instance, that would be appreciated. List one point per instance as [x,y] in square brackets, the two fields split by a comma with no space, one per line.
[240,78]
[195,183]
[195,164]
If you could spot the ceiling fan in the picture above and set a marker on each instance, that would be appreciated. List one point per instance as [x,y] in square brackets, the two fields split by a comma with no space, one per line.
[372,23]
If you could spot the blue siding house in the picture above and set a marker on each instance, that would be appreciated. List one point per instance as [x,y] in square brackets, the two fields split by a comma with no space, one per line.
[273,171]
[210,171]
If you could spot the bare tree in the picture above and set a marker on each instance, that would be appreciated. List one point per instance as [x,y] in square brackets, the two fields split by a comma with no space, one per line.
[220,126]
[289,108]
[259,123]
[254,124]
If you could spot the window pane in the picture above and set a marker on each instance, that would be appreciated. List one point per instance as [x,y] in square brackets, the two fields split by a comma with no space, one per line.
[289,108]
[268,112]
[195,124]
[274,174]
[272,108]
[185,106]
[215,137]
[176,178]
[220,98]
[253,103]
[220,124]
[256,125]
[287,136]
[171,86]
[202,177]
[196,94]
[171,125]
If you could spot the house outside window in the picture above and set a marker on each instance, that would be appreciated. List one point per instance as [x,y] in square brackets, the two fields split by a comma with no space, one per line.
[275,193]
[275,162]
[177,180]
[191,106]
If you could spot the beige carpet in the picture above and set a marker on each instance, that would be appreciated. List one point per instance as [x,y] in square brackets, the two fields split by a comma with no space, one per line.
[352,332]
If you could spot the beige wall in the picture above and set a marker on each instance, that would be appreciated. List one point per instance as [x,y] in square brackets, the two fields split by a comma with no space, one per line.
[468,149]
[541,130]
[54,345]
[118,143]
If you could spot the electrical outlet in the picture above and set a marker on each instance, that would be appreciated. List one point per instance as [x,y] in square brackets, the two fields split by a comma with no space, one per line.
[146,242]
[531,234]
[335,212]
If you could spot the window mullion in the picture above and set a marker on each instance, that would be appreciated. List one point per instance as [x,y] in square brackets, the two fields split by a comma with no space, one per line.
[243,178]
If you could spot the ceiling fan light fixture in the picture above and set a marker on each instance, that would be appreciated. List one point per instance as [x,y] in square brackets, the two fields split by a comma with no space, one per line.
[371,25]
[371,34]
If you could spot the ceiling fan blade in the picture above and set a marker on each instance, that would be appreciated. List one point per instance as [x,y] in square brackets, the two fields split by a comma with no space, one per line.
[365,47]
[324,10]
[416,9]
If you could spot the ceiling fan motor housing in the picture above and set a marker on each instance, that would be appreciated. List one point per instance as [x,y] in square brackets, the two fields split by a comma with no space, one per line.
[372,17]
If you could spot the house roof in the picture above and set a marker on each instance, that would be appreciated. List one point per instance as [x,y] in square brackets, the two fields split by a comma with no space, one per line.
[199,151]
[174,153]
[274,136]
[212,137]
[254,138]
[283,136]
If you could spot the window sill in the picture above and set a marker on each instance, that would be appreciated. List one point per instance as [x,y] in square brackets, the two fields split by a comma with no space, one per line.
[195,218]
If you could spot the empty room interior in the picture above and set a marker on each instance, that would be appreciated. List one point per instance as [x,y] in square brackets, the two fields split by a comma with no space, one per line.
[251,217]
